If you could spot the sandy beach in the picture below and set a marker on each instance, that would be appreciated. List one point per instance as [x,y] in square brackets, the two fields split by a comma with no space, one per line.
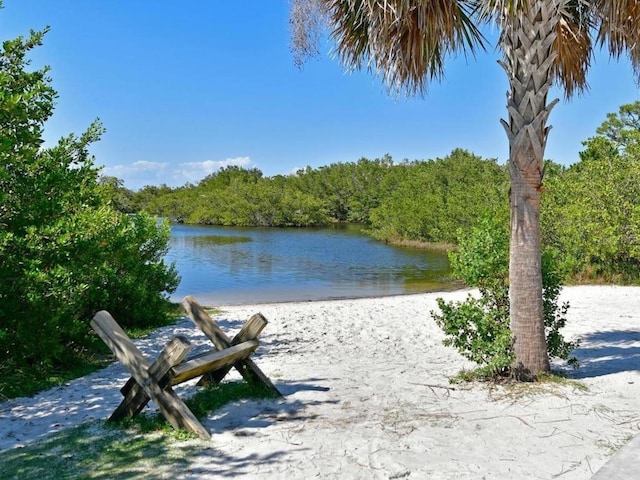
[367,396]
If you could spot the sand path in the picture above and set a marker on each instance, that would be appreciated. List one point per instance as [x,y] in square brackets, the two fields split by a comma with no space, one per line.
[367,396]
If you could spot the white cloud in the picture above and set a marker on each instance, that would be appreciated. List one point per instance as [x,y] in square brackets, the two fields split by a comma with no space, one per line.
[195,171]
[143,172]
[136,168]
[138,174]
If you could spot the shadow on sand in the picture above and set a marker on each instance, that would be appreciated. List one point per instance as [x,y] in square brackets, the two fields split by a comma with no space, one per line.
[98,451]
[604,353]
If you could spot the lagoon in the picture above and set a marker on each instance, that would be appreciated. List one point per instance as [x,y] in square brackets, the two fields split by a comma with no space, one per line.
[233,265]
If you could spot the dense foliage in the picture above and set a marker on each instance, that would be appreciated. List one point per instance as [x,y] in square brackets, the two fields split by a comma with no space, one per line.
[421,200]
[591,213]
[430,201]
[65,252]
[235,196]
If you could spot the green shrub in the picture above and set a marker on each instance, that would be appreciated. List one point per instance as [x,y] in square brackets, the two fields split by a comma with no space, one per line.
[65,252]
[479,327]
[429,201]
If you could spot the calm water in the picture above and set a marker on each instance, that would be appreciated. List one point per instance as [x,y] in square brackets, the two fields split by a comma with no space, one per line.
[226,265]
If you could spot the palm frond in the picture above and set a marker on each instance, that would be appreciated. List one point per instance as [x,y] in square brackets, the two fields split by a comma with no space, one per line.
[405,41]
[573,47]
[499,11]
[619,28]
[306,20]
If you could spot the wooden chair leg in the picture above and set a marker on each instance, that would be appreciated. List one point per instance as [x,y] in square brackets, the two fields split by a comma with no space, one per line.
[171,406]
[135,397]
[247,368]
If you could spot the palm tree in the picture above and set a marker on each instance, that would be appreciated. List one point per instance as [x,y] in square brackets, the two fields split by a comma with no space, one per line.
[542,42]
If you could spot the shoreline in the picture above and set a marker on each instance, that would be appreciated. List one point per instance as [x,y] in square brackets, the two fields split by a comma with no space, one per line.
[435,291]
[367,395]
[455,287]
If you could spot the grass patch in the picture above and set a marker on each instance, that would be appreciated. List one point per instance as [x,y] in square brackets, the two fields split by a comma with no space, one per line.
[176,313]
[552,382]
[557,378]
[213,240]
[420,244]
[206,400]
[93,451]
[21,381]
[145,447]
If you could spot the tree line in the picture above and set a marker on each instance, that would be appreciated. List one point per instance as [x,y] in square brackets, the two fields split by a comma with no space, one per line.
[426,201]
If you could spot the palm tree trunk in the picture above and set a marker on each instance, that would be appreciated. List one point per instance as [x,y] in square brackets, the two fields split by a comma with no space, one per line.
[528,57]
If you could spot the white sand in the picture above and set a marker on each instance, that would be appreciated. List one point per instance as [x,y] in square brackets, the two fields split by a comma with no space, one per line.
[367,396]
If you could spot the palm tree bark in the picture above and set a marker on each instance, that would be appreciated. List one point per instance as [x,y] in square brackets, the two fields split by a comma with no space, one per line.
[527,43]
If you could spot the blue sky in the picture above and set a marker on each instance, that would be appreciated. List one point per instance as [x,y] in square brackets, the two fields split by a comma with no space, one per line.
[186,87]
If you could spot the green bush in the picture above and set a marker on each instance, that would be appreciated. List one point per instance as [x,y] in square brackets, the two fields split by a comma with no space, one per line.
[429,201]
[479,327]
[591,214]
[65,252]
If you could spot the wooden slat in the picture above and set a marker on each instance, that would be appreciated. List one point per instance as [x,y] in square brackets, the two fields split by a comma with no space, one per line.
[201,364]
[205,323]
[247,368]
[173,409]
[135,397]
[249,331]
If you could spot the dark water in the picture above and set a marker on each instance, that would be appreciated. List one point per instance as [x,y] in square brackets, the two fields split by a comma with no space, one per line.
[226,265]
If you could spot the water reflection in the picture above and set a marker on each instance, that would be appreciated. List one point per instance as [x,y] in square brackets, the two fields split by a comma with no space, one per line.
[221,265]
[215,240]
